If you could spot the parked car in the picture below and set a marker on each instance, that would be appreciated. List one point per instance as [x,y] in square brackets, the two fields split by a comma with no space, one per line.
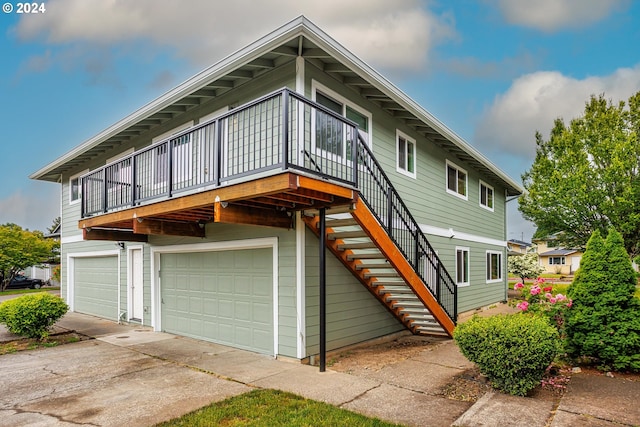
[22,282]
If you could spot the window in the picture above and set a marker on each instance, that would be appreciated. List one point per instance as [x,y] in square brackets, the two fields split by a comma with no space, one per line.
[556,260]
[486,196]
[456,180]
[329,133]
[462,266]
[494,266]
[75,187]
[405,154]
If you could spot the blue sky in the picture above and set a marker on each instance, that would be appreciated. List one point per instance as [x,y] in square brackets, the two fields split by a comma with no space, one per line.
[494,71]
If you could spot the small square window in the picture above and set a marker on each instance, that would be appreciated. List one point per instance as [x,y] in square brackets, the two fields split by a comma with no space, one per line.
[75,187]
[405,155]
[486,196]
[456,180]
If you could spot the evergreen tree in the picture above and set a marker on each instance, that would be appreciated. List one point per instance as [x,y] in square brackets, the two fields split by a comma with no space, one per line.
[604,322]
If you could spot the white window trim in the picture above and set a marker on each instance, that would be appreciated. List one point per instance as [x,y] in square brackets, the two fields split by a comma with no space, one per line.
[466,249]
[317,86]
[71,178]
[400,134]
[500,279]
[446,180]
[493,191]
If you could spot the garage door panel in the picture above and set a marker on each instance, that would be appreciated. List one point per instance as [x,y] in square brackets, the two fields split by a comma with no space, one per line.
[230,294]
[95,286]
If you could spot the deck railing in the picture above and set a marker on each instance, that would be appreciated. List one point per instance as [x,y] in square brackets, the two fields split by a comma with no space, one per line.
[385,203]
[280,131]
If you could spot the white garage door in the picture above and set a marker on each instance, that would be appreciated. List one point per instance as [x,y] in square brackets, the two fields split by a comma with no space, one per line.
[95,286]
[220,296]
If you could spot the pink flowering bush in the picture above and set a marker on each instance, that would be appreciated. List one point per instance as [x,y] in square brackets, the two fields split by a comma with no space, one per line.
[539,299]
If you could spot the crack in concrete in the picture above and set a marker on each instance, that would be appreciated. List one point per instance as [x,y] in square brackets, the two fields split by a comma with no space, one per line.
[591,416]
[57,417]
[360,395]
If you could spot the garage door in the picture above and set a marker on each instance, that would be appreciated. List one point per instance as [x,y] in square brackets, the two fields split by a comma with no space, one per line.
[223,296]
[95,286]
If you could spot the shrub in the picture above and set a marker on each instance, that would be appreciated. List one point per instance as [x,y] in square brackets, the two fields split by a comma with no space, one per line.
[539,298]
[513,351]
[32,315]
[604,323]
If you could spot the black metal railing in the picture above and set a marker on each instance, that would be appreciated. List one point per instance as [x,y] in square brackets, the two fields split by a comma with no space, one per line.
[279,131]
[385,203]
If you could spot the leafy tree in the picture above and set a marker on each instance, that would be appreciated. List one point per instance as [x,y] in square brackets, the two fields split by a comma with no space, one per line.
[524,266]
[20,249]
[586,177]
[604,322]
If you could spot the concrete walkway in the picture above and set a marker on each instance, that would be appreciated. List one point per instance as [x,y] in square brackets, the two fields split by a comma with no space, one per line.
[136,377]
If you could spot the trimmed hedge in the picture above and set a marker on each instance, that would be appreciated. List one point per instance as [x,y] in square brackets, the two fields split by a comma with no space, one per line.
[513,351]
[32,315]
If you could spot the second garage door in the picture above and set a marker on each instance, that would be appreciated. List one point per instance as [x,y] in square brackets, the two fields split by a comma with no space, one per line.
[225,297]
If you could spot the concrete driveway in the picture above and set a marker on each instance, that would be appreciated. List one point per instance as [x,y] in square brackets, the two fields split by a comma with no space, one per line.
[98,383]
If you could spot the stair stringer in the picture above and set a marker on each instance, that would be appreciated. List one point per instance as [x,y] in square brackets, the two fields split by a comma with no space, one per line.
[383,242]
[351,265]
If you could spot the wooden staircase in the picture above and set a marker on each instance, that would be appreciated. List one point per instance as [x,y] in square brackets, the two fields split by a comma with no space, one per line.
[357,239]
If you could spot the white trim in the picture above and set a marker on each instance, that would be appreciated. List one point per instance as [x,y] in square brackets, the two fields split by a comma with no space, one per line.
[230,245]
[71,273]
[446,180]
[459,235]
[71,239]
[407,138]
[493,195]
[468,251]
[301,350]
[172,132]
[71,178]
[501,269]
[130,298]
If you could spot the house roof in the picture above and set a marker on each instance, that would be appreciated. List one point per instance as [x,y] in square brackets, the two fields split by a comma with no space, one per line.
[520,242]
[559,252]
[299,37]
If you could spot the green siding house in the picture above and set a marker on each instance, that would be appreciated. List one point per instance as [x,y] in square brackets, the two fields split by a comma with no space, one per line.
[290,169]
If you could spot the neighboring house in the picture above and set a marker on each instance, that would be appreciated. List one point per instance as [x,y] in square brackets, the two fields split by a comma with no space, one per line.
[45,270]
[556,259]
[201,213]
[518,247]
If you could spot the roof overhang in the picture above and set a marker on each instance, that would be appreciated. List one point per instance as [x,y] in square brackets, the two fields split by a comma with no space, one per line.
[299,37]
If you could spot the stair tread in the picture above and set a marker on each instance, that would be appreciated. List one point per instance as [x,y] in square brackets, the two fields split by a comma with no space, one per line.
[342,222]
[351,257]
[373,265]
[380,274]
[347,234]
[359,245]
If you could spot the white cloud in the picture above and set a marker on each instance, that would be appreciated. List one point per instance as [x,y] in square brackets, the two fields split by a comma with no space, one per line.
[33,210]
[534,101]
[396,35]
[554,15]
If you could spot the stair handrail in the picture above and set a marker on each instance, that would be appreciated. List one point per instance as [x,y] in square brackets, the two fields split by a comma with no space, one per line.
[444,290]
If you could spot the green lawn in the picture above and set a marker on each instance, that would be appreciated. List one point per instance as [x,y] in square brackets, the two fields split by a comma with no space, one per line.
[29,291]
[272,408]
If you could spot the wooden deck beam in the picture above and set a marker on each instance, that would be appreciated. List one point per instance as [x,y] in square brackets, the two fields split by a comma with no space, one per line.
[243,215]
[167,228]
[112,235]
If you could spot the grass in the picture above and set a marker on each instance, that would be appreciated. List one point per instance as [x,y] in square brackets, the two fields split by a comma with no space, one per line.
[23,344]
[29,291]
[272,408]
